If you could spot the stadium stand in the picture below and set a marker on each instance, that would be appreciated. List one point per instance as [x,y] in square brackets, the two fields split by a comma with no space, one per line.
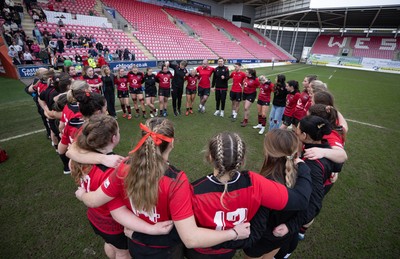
[112,38]
[158,34]
[268,44]
[245,40]
[211,36]
[85,7]
[369,47]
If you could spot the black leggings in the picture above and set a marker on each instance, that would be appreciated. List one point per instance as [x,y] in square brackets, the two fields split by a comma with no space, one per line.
[177,93]
[110,98]
[220,98]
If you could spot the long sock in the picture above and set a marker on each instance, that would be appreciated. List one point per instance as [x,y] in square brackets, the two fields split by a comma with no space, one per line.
[259,119]
[123,108]
[65,161]
[263,121]
[129,109]
[137,111]
[144,112]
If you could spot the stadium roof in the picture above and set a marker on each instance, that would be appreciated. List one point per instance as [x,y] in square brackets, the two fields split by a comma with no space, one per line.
[371,17]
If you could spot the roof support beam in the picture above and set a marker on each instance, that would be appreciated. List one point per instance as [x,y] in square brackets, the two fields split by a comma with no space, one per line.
[373,21]
[344,22]
[245,3]
[319,20]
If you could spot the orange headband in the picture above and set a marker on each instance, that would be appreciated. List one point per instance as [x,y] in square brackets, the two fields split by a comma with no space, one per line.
[157,138]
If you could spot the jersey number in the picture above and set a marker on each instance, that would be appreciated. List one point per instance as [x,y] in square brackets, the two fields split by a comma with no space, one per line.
[236,217]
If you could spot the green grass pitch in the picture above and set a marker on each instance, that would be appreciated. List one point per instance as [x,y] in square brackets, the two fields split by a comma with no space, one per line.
[40,217]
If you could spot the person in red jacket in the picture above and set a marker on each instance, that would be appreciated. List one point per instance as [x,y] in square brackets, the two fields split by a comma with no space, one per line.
[164,78]
[101,61]
[204,71]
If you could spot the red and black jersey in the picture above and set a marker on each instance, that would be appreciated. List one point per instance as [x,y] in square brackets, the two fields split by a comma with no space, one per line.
[250,85]
[247,192]
[291,102]
[265,92]
[100,217]
[135,80]
[237,83]
[174,202]
[303,104]
[95,80]
[71,110]
[164,79]
[40,87]
[71,130]
[204,75]
[121,83]
[191,82]
[334,139]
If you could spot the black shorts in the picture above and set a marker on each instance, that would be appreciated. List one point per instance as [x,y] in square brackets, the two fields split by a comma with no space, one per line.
[262,103]
[123,94]
[139,251]
[235,96]
[286,120]
[266,245]
[135,90]
[150,92]
[203,91]
[164,92]
[250,97]
[190,92]
[120,241]
[295,122]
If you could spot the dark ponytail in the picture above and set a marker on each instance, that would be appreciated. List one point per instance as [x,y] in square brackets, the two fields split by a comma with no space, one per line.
[316,127]
[89,103]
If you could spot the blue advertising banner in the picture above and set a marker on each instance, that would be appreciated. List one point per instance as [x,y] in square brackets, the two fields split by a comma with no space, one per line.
[244,61]
[128,64]
[29,71]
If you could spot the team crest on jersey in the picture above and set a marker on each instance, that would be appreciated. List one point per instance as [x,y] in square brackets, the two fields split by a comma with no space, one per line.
[165,79]
[134,81]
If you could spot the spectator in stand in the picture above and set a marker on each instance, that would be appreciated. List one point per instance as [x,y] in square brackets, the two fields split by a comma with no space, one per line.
[19,39]
[8,38]
[10,3]
[46,40]
[60,23]
[14,27]
[106,49]
[101,62]
[35,48]
[14,55]
[57,34]
[20,10]
[53,46]
[92,41]
[92,52]
[16,18]
[44,56]
[35,18]
[68,62]
[108,57]
[37,34]
[7,27]
[17,47]
[99,47]
[29,42]
[28,57]
[119,52]
[69,36]
[127,54]
[60,45]
[45,32]
[78,58]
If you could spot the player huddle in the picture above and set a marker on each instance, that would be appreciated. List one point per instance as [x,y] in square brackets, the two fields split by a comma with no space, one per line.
[145,207]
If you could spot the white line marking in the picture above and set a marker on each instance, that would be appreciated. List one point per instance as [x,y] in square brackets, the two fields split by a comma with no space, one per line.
[330,77]
[22,135]
[367,124]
